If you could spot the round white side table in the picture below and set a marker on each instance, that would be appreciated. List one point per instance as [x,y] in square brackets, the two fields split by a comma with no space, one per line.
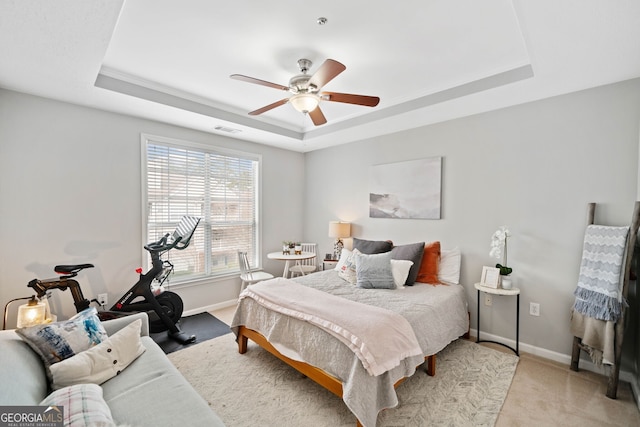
[506,292]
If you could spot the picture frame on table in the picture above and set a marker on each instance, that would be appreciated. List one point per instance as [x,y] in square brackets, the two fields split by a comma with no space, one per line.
[490,277]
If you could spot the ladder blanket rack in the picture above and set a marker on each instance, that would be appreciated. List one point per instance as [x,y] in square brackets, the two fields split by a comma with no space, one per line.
[600,315]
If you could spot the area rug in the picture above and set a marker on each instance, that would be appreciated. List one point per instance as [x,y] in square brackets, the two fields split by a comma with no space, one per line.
[256,388]
[203,325]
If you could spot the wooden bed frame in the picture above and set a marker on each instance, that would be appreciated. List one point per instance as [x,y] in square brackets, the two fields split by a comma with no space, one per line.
[324,379]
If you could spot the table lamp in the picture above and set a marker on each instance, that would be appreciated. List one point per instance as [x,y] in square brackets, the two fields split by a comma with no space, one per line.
[339,230]
[32,313]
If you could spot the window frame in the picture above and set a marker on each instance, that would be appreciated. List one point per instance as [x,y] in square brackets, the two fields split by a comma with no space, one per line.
[145,140]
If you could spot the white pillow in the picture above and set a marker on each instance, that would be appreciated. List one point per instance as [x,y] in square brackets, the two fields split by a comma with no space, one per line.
[344,255]
[83,406]
[400,271]
[347,265]
[449,267]
[101,362]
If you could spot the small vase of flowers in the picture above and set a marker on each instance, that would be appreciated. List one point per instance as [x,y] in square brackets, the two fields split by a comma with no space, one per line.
[499,250]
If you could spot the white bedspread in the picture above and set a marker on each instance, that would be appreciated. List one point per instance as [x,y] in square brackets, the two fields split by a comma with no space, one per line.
[379,337]
[437,315]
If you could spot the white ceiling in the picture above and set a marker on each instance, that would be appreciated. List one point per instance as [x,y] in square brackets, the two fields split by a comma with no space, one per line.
[428,60]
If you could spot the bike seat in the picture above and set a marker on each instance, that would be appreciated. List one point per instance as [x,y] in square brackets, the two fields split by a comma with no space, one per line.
[70,269]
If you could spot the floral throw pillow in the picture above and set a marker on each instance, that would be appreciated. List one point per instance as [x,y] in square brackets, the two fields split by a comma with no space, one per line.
[347,265]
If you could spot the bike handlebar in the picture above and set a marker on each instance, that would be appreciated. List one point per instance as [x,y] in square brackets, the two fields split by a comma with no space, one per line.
[182,234]
[161,245]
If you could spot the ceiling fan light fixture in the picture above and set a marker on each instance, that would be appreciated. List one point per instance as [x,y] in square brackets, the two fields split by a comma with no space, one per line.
[304,102]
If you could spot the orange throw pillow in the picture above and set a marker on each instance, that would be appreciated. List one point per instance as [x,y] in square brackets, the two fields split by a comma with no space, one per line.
[428,272]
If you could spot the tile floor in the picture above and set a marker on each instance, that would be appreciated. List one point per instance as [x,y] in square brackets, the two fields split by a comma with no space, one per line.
[548,393]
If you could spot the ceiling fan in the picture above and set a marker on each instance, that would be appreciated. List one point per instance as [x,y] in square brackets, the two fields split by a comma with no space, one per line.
[306,90]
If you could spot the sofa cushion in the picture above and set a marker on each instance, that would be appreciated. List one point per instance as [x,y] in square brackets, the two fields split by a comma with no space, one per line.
[21,366]
[83,406]
[101,362]
[152,382]
[55,342]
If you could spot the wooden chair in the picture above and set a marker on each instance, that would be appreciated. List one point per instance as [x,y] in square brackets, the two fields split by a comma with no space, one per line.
[247,276]
[614,372]
[305,266]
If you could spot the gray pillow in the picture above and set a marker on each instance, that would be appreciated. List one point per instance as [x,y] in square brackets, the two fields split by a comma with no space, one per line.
[372,246]
[412,252]
[374,271]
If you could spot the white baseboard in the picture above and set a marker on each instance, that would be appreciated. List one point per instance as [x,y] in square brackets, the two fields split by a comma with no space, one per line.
[587,365]
[212,307]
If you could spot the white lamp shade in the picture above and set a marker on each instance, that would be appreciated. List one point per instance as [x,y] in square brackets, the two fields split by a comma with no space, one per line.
[31,314]
[339,229]
[304,102]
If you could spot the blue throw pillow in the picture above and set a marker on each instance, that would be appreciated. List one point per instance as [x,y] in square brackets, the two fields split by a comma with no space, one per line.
[55,342]
[374,271]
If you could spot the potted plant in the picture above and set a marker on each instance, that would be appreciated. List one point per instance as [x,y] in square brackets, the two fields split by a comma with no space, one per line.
[499,250]
[286,245]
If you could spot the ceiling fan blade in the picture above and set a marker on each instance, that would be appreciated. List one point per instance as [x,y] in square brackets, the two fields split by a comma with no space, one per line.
[347,98]
[258,81]
[317,117]
[269,107]
[327,72]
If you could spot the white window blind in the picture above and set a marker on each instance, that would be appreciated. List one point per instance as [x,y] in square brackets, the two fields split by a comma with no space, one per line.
[219,187]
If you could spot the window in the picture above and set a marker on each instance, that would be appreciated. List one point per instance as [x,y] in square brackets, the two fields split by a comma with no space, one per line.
[219,186]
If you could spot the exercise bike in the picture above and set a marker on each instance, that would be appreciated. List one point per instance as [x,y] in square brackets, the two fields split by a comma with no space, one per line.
[164,308]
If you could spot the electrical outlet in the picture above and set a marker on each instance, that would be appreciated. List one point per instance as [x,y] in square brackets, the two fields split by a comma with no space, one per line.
[534,309]
[487,299]
[103,299]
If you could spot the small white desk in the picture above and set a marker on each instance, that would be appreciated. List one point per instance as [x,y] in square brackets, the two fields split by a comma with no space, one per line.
[288,258]
[507,292]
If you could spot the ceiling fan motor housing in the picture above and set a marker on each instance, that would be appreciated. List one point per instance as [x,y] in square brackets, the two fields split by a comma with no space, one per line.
[300,84]
[304,65]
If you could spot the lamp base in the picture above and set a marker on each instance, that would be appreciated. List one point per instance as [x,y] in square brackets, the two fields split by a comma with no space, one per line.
[337,248]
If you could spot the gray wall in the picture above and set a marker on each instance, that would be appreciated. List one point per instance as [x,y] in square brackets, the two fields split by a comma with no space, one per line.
[70,192]
[70,186]
[533,167]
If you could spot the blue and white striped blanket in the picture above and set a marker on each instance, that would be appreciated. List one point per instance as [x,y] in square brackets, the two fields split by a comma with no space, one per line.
[599,291]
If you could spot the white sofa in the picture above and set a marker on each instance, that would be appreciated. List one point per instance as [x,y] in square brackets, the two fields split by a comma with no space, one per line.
[149,392]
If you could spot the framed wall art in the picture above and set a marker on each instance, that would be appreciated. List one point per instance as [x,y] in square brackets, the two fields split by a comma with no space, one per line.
[408,189]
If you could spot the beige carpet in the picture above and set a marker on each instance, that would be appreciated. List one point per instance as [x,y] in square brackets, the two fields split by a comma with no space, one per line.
[469,388]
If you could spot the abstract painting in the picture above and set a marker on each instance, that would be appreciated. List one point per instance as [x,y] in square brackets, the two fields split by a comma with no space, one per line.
[406,189]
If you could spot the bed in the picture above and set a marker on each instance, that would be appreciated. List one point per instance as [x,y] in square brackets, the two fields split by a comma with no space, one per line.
[437,316]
